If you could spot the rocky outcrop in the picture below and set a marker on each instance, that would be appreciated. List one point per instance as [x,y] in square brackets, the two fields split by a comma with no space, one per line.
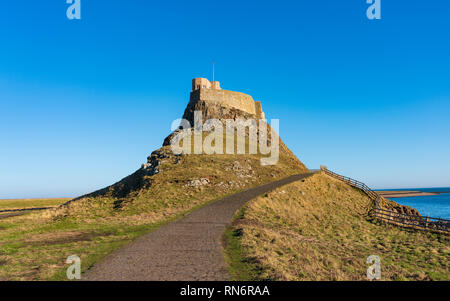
[198,182]
[395,207]
[139,179]
[210,108]
[214,111]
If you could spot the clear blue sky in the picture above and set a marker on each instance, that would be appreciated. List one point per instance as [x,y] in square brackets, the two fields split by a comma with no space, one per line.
[83,103]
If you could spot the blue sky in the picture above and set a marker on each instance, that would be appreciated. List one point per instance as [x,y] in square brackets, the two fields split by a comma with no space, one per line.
[84,102]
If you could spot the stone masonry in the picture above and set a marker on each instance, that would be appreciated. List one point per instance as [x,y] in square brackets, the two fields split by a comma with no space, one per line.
[210,92]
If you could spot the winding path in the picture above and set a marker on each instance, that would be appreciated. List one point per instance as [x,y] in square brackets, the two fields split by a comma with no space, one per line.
[187,249]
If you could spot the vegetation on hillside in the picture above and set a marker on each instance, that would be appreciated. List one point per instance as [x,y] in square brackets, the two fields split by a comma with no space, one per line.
[321,229]
[35,246]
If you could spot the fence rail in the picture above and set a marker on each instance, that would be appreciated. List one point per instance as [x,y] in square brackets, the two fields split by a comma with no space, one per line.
[394,217]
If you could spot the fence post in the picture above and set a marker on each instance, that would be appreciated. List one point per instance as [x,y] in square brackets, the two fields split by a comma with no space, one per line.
[389,216]
[377,206]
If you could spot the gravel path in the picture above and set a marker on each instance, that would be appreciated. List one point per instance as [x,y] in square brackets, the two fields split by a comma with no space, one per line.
[187,249]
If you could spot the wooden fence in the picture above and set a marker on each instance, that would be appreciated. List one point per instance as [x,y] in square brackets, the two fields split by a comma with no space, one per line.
[394,217]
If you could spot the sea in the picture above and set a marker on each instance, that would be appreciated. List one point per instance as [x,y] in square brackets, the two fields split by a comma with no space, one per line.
[432,205]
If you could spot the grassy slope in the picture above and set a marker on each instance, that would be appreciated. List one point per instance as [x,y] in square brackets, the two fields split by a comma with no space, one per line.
[30,203]
[320,230]
[35,246]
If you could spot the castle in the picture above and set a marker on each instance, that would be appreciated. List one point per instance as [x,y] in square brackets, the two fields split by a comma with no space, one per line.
[210,92]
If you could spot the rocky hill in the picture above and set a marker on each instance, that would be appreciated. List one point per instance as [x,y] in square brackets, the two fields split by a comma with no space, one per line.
[163,189]
[299,232]
[176,182]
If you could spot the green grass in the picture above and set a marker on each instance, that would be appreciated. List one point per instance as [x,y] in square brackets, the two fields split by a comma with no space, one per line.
[35,246]
[9,204]
[99,240]
[240,267]
[103,249]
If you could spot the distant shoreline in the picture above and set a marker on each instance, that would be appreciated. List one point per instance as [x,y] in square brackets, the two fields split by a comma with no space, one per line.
[407,193]
[33,199]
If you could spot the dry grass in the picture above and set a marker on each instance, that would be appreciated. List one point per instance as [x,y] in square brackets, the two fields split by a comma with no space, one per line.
[320,230]
[35,246]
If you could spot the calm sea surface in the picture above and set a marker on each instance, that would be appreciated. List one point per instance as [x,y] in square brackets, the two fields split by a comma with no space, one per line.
[433,205]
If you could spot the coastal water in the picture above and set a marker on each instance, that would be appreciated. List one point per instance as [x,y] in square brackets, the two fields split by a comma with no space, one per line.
[433,205]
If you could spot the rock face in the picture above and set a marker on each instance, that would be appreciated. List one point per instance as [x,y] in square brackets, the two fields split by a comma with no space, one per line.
[139,179]
[156,160]
[218,104]
[198,182]
[395,207]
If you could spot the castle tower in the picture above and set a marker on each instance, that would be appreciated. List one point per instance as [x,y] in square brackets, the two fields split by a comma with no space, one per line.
[203,83]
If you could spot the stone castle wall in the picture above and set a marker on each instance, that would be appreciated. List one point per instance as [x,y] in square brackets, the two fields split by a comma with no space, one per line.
[259,112]
[210,92]
[227,98]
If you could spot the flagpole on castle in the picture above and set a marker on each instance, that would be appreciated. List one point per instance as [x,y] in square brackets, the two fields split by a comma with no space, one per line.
[213,72]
